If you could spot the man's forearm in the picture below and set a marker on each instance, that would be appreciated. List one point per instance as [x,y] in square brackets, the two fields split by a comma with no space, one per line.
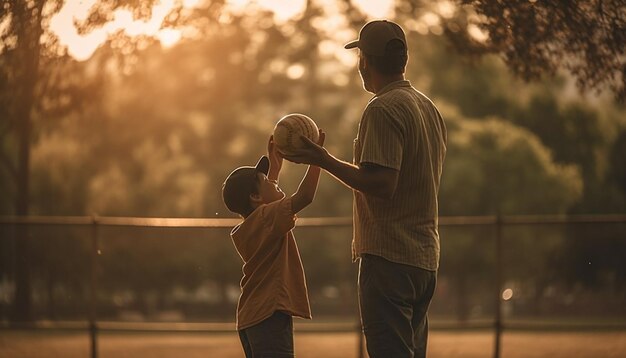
[377,181]
[347,173]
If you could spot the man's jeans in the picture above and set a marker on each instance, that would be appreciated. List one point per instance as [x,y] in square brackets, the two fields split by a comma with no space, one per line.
[394,300]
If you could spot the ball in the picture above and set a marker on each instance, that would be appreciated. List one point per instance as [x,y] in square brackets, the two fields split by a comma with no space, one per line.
[288,130]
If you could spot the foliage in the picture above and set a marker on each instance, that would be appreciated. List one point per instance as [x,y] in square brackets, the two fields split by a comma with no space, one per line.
[496,168]
[534,38]
[617,161]
[508,170]
[578,131]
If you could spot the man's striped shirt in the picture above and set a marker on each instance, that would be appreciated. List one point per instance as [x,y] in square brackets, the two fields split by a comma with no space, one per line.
[401,129]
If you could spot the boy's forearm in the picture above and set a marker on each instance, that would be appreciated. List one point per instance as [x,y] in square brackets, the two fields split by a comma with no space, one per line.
[274,171]
[308,186]
[272,175]
[306,191]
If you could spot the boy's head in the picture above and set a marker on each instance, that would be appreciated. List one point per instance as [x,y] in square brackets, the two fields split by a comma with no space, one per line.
[247,187]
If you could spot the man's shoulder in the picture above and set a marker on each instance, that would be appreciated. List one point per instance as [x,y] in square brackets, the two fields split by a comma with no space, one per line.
[397,97]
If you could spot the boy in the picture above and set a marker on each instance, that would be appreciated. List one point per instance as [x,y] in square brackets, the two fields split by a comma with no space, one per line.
[273,287]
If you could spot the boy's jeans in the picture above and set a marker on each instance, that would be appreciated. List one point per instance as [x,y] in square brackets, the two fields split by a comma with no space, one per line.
[394,300]
[272,338]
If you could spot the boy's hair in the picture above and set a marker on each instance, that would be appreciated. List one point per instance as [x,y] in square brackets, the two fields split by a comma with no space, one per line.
[240,184]
[393,61]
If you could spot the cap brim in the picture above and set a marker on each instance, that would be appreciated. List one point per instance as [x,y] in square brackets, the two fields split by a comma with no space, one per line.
[351,45]
[263,165]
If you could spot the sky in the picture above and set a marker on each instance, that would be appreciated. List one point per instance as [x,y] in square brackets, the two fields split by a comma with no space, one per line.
[81,47]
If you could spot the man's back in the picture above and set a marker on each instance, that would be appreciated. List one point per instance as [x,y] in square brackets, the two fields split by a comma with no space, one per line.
[403,130]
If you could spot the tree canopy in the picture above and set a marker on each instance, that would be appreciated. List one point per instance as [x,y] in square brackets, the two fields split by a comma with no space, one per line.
[536,38]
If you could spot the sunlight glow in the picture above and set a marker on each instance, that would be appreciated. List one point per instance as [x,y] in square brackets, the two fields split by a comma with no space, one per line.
[376,9]
[4,25]
[295,71]
[62,24]
[477,33]
[430,19]
[429,22]
[82,46]
[169,37]
[287,9]
[190,3]
[284,10]
[446,9]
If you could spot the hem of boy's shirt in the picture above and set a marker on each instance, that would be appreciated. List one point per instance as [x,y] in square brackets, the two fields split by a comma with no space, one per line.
[283,310]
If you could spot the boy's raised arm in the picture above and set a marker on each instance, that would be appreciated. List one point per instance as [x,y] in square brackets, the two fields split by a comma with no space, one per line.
[276,160]
[308,186]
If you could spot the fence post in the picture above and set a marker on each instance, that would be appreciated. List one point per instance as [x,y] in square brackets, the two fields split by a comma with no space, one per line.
[95,251]
[498,318]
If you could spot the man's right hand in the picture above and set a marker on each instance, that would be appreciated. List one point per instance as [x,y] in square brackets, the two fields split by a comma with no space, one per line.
[312,153]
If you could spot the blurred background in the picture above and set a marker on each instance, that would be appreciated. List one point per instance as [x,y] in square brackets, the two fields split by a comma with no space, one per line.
[141,109]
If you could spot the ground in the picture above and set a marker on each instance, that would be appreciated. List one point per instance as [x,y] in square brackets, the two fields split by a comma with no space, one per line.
[448,344]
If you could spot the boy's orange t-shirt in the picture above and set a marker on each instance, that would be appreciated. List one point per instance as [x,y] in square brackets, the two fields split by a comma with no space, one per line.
[273,277]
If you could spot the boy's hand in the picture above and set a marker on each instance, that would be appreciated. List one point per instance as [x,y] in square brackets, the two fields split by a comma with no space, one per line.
[312,153]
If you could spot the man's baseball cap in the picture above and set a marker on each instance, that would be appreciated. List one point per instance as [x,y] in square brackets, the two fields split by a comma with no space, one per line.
[241,183]
[375,36]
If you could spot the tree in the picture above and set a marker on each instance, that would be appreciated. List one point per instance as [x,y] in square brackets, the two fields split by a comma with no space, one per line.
[587,38]
[575,130]
[594,257]
[490,162]
[21,55]
[617,159]
[494,167]
[576,133]
[28,49]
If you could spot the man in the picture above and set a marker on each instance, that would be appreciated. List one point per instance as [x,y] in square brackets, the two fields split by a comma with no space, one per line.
[398,159]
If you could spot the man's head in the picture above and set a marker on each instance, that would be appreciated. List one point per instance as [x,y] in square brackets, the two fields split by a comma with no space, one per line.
[247,187]
[383,47]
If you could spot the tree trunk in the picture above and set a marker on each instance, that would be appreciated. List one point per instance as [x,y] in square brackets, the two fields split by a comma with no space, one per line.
[26,66]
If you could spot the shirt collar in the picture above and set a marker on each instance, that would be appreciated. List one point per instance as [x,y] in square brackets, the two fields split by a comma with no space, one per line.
[392,86]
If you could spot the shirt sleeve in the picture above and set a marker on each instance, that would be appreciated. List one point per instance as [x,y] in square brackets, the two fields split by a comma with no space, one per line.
[381,139]
[279,216]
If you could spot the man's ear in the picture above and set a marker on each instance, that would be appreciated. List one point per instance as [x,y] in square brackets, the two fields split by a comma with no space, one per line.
[363,61]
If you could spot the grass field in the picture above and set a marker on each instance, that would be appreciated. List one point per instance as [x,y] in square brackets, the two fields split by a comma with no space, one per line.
[448,344]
